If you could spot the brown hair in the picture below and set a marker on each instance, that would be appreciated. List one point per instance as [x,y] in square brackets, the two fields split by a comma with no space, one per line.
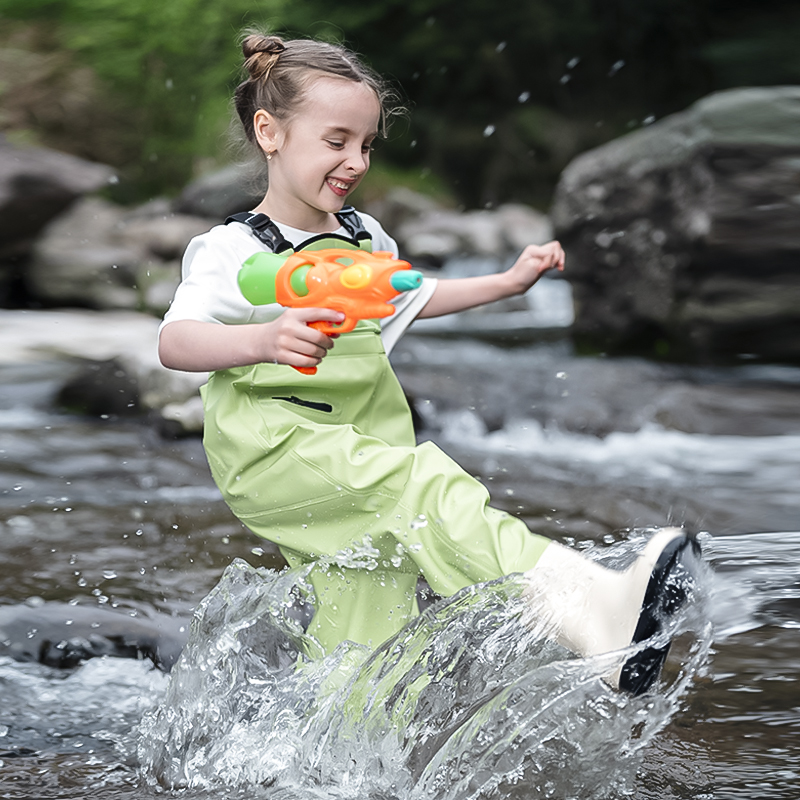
[279,72]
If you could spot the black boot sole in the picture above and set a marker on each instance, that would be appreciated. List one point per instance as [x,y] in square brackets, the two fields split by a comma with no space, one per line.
[671,584]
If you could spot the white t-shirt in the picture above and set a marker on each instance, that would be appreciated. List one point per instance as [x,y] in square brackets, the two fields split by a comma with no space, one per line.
[209,291]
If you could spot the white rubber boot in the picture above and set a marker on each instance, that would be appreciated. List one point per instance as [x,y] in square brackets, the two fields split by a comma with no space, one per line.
[596,610]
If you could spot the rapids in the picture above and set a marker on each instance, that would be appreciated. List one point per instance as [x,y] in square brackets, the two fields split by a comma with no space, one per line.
[104,513]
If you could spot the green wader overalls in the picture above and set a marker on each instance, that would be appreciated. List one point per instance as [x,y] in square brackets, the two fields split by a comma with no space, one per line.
[326,466]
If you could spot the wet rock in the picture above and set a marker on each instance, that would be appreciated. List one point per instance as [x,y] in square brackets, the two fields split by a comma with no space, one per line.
[440,233]
[223,192]
[683,237]
[117,366]
[101,388]
[400,205]
[64,636]
[36,185]
[100,255]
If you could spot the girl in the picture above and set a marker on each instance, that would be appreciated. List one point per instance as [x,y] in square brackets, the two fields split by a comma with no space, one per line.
[327,466]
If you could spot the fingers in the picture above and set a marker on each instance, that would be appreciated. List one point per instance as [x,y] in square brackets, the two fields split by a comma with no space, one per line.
[548,256]
[559,257]
[292,341]
[306,315]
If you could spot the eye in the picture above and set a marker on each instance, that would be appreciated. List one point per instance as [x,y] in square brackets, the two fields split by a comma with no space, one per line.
[337,145]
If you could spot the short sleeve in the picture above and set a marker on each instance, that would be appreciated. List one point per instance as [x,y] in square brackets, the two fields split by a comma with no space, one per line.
[407,308]
[209,291]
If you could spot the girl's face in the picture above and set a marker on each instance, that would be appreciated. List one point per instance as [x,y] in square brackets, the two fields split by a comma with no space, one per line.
[321,153]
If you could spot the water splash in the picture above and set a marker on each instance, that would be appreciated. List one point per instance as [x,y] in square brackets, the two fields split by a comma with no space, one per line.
[465,702]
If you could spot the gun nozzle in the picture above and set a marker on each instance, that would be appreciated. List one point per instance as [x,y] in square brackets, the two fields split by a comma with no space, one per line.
[406,279]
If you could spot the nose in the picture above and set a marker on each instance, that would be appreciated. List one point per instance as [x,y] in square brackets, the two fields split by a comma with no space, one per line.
[356,160]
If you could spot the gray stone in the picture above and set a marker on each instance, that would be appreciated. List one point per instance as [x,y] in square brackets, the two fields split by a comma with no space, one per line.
[444,232]
[36,185]
[400,205]
[686,234]
[122,344]
[223,192]
[99,255]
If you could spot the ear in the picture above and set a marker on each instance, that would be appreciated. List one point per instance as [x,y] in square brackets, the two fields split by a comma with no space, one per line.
[266,130]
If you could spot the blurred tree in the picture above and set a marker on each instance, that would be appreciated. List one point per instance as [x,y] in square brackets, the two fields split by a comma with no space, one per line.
[166,72]
[502,95]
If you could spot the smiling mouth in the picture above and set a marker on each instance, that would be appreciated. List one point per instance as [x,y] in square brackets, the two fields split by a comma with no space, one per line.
[340,187]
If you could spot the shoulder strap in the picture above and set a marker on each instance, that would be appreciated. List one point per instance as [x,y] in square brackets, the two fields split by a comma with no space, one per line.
[267,232]
[352,223]
[264,229]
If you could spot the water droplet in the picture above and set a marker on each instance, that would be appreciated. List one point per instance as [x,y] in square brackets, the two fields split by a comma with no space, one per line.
[565,78]
[524,97]
[649,120]
[616,67]
[488,131]
[573,62]
[17,487]
[500,47]
[257,551]
[561,376]
[109,574]
[81,581]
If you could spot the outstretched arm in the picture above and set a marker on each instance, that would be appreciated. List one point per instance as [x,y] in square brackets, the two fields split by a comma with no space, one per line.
[194,346]
[459,294]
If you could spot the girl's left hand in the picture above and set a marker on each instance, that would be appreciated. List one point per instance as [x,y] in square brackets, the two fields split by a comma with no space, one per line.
[533,262]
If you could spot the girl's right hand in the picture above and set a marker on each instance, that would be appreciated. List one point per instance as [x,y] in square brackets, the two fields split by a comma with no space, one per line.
[289,339]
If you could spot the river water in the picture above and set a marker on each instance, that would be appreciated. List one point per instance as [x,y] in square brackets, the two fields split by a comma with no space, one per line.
[106,513]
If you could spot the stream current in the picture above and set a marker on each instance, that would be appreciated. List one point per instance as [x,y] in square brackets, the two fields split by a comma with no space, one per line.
[590,451]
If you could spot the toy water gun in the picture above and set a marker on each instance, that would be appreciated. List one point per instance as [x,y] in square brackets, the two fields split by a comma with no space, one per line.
[355,282]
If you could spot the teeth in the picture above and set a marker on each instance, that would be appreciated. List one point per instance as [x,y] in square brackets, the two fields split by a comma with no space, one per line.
[338,184]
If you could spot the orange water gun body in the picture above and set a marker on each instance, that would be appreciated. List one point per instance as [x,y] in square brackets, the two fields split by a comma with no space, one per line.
[355,282]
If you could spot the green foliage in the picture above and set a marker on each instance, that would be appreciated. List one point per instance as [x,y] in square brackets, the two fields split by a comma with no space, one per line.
[167,68]
[502,95]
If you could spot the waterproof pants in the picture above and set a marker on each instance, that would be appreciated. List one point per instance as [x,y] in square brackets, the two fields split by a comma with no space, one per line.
[326,466]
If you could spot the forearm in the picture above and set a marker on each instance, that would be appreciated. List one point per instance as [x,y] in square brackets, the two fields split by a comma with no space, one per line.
[193,346]
[458,294]
[462,293]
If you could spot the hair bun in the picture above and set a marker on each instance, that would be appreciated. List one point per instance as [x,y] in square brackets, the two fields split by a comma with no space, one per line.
[257,43]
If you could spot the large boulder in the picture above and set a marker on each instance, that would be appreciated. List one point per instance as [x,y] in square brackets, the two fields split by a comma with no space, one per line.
[217,195]
[117,370]
[38,184]
[100,255]
[684,237]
